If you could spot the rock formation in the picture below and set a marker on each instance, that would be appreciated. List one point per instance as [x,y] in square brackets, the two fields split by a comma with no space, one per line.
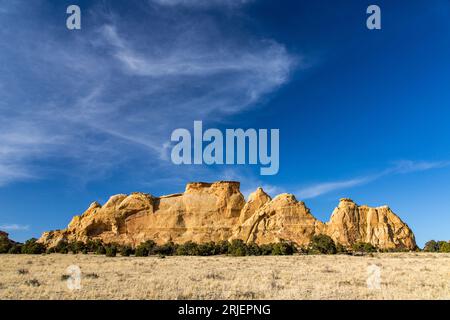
[218,211]
[379,226]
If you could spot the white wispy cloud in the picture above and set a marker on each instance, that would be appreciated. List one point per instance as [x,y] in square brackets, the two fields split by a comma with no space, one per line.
[14,227]
[399,167]
[407,166]
[322,188]
[110,96]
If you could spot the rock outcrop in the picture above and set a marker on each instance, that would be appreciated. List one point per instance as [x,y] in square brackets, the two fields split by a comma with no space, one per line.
[283,218]
[218,211]
[379,226]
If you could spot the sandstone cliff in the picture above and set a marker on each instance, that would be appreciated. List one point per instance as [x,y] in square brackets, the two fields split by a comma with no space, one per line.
[218,211]
[379,226]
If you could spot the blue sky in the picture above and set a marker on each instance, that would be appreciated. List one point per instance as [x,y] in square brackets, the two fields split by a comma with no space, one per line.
[87,114]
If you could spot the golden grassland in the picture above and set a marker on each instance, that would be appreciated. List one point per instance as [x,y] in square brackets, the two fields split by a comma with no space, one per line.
[403,276]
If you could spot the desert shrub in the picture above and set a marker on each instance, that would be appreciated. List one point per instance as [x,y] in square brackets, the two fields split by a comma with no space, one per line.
[207,249]
[253,249]
[222,247]
[167,249]
[5,245]
[444,247]
[50,250]
[187,249]
[111,251]
[65,277]
[100,249]
[146,248]
[22,271]
[126,251]
[431,246]
[33,283]
[33,247]
[61,247]
[141,251]
[265,249]
[283,248]
[15,249]
[340,248]
[237,248]
[93,245]
[364,247]
[322,244]
[76,247]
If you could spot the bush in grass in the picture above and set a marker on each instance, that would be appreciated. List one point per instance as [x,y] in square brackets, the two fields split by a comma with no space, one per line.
[145,248]
[444,247]
[237,248]
[253,249]
[323,244]
[61,247]
[111,251]
[15,249]
[430,246]
[94,245]
[187,249]
[340,248]
[141,251]
[126,251]
[150,245]
[283,248]
[5,245]
[166,249]
[100,250]
[222,247]
[364,247]
[76,247]
[207,249]
[33,247]
[265,249]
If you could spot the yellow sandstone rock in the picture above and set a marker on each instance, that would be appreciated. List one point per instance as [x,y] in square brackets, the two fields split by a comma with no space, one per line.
[218,211]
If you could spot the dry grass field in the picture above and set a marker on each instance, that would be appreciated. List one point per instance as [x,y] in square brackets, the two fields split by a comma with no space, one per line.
[403,276]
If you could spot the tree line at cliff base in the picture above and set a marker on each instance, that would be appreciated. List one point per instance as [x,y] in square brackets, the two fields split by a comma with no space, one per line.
[320,244]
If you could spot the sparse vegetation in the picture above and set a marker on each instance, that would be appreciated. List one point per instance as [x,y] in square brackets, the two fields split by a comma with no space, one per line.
[437,246]
[111,251]
[5,245]
[22,271]
[15,249]
[33,283]
[33,247]
[126,251]
[431,246]
[64,277]
[237,248]
[364,247]
[322,244]
[315,277]
[100,249]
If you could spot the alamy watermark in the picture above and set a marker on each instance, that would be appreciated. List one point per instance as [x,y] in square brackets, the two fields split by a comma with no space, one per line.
[236,146]
[73,280]
[373,277]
